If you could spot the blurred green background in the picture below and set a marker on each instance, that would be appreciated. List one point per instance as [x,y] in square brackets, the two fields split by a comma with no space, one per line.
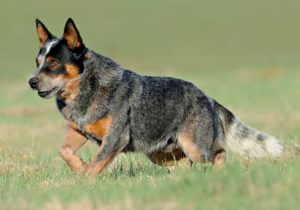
[160,36]
[245,54]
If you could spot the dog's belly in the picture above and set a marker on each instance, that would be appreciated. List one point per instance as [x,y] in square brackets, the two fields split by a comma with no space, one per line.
[141,144]
[150,133]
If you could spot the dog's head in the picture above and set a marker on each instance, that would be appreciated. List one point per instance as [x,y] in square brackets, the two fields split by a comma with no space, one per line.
[59,61]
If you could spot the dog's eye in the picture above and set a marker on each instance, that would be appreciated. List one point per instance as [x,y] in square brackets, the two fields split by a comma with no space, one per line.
[53,63]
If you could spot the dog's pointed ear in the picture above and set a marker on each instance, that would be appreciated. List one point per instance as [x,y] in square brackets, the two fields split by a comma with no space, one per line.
[71,35]
[42,32]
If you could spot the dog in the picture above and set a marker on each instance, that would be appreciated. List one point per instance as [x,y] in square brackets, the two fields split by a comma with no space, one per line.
[170,120]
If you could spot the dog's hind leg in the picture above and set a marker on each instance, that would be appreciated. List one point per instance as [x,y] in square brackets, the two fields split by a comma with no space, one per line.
[200,137]
[73,141]
[192,150]
[188,138]
[190,147]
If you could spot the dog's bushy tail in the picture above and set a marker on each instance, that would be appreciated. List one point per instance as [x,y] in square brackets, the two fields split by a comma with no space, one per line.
[244,140]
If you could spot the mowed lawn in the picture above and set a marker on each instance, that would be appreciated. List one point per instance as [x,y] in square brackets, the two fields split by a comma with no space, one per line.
[244,55]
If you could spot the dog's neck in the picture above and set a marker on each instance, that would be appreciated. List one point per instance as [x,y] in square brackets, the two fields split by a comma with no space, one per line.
[91,91]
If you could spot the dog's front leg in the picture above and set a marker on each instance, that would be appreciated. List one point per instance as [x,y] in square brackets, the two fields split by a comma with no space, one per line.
[109,149]
[73,141]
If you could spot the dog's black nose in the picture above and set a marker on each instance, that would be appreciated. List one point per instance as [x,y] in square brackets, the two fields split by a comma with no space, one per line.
[33,82]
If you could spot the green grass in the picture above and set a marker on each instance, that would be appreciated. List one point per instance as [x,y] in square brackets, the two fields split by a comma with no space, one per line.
[40,181]
[244,54]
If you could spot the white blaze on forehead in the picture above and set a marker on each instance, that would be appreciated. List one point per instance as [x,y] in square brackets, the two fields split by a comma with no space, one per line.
[42,57]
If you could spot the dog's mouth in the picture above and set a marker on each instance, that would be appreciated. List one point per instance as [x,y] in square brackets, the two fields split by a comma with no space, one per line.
[44,94]
[47,94]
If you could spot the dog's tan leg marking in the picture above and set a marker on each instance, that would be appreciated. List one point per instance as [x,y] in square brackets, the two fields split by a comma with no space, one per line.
[73,141]
[96,167]
[107,153]
[219,160]
[189,147]
[170,159]
[176,157]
